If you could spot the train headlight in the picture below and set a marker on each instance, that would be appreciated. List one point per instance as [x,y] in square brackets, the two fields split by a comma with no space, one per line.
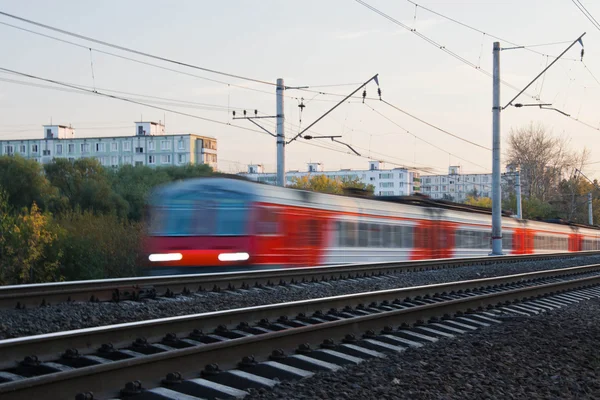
[234,256]
[165,257]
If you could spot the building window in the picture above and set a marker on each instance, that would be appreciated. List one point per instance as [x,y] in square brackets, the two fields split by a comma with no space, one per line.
[211,158]
[126,146]
[181,144]
[9,149]
[85,147]
[34,148]
[22,148]
[99,147]
[140,131]
[59,148]
[46,152]
[139,150]
[114,146]
[165,159]
[114,161]
[151,160]
[71,148]
[181,158]
[386,176]
[165,145]
[48,133]
[151,145]
[386,184]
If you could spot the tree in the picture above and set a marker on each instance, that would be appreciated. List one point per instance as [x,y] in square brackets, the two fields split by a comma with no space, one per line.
[324,184]
[86,185]
[24,183]
[479,202]
[544,160]
[28,245]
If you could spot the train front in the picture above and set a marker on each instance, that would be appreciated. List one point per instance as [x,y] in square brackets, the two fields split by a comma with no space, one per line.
[198,225]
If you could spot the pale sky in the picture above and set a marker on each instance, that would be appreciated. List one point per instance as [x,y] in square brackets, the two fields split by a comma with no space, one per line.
[307,43]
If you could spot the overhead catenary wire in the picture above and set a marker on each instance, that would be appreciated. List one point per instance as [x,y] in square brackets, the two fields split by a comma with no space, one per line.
[436,44]
[423,140]
[138,52]
[167,100]
[465,25]
[126,100]
[586,13]
[160,66]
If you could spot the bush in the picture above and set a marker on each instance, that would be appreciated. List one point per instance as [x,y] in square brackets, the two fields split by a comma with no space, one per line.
[98,247]
[29,248]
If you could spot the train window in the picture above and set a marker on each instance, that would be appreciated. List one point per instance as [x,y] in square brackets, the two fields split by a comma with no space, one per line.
[267,221]
[403,236]
[388,236]
[314,232]
[507,240]
[375,236]
[363,234]
[231,218]
[352,234]
[340,233]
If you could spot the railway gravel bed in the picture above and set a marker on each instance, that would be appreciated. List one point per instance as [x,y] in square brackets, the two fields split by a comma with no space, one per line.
[69,316]
[548,356]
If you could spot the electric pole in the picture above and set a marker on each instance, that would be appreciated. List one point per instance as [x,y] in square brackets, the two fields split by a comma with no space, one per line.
[518,189]
[590,214]
[280,134]
[496,194]
[496,109]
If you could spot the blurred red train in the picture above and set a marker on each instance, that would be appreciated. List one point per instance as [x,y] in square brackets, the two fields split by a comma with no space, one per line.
[209,224]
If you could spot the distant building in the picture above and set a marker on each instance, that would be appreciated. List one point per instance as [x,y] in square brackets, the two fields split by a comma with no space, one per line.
[387,182]
[148,146]
[457,186]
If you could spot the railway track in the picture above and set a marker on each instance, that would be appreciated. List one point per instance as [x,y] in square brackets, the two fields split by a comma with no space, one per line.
[168,355]
[21,296]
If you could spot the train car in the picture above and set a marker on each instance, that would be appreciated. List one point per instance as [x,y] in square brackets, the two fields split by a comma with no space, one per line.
[222,224]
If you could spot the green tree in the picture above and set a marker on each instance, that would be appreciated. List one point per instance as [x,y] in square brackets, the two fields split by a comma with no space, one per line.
[324,184]
[86,185]
[24,183]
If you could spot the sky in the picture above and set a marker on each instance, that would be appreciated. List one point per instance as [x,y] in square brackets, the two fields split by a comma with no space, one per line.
[331,46]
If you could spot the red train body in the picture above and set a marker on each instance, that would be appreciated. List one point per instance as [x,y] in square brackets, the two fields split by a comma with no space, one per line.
[218,223]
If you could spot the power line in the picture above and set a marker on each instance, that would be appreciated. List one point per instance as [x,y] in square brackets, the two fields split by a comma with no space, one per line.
[423,140]
[436,44]
[154,65]
[134,60]
[184,103]
[141,53]
[586,13]
[493,36]
[127,100]
[436,127]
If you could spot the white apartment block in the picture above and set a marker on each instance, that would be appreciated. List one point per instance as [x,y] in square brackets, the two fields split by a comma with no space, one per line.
[387,182]
[457,187]
[148,146]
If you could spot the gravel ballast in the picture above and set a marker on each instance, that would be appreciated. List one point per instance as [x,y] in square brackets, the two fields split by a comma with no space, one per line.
[553,355]
[68,316]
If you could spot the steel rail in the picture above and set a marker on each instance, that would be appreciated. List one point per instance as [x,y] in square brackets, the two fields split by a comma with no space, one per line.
[51,346]
[101,379]
[136,287]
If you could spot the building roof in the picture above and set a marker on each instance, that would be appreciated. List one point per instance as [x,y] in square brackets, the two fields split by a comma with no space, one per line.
[60,126]
[110,137]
